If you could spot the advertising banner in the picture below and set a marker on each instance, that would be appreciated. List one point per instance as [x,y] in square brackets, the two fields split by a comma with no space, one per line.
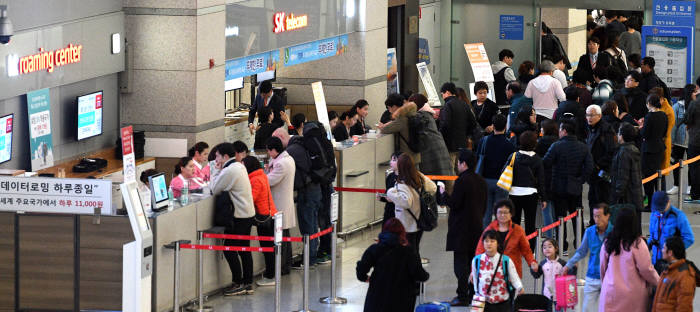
[40,140]
[673,13]
[423,51]
[392,72]
[55,195]
[424,73]
[321,110]
[479,60]
[251,65]
[315,50]
[672,49]
[128,160]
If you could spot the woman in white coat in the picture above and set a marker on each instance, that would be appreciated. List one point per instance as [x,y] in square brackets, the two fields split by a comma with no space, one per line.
[406,198]
[280,173]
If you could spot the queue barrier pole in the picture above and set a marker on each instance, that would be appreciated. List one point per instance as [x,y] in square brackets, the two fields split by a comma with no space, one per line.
[176,280]
[333,299]
[278,223]
[306,276]
[562,229]
[538,253]
[200,277]
[680,185]
[659,176]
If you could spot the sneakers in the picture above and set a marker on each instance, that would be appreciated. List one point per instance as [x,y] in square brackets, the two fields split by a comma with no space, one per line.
[325,259]
[457,302]
[424,261]
[565,253]
[690,200]
[687,190]
[239,290]
[300,266]
[672,191]
[266,282]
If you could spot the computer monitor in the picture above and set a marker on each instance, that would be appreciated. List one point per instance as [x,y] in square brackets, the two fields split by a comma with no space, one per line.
[233,84]
[159,191]
[267,75]
[6,137]
[89,115]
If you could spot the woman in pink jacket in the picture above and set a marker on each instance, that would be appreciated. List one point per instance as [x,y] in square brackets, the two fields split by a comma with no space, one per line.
[626,272]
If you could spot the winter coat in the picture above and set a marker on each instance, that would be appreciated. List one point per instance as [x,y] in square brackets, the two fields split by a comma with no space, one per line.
[528,171]
[649,81]
[543,144]
[484,113]
[457,123]
[406,199]
[571,164]
[518,128]
[653,132]
[601,142]
[281,177]
[262,135]
[546,93]
[395,271]
[550,269]
[302,162]
[663,225]
[676,288]
[234,180]
[626,172]
[692,122]
[399,126]
[625,278]
[671,118]
[679,134]
[517,102]
[262,195]
[568,108]
[435,159]
[467,206]
[637,101]
[603,92]
[516,246]
[495,150]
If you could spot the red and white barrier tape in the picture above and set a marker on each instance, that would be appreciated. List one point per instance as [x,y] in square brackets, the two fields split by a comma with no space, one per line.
[227,248]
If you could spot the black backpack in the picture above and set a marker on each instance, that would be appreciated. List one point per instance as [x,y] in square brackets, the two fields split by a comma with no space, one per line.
[416,131]
[321,154]
[618,69]
[428,211]
[223,210]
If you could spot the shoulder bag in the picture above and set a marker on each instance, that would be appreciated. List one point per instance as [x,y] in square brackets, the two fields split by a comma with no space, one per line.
[506,180]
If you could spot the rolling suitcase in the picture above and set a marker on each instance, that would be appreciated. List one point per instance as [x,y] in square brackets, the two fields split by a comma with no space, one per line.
[433,306]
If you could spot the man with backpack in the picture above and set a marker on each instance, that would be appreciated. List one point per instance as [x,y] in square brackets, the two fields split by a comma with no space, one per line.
[665,222]
[457,121]
[502,74]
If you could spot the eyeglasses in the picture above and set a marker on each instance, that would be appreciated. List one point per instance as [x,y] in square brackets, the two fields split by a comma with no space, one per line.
[503,213]
[591,115]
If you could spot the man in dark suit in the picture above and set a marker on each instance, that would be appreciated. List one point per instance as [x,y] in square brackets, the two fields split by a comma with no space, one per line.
[266,97]
[467,204]
[592,59]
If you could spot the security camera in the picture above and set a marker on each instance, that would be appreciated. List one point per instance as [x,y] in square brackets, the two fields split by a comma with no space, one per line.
[6,31]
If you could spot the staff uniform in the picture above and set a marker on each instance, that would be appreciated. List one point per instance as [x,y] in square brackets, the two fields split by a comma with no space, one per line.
[177,183]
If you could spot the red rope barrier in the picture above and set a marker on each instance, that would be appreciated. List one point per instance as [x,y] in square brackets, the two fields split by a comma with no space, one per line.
[359,190]
[227,248]
[319,234]
[249,237]
[553,225]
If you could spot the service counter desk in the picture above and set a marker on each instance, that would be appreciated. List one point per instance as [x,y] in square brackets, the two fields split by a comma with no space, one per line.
[74,262]
[362,165]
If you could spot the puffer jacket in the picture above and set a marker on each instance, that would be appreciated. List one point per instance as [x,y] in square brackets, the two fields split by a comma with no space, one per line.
[663,225]
[679,135]
[399,126]
[571,164]
[262,196]
[692,121]
[457,123]
[626,173]
[601,141]
[435,159]
[676,288]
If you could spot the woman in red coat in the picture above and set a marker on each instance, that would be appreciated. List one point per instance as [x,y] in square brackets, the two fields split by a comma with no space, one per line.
[264,211]
[511,236]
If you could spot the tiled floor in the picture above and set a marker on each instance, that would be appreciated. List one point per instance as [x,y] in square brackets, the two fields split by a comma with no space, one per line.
[441,285]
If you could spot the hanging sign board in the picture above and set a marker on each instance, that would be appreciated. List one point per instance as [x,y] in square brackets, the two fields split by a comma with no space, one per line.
[40,139]
[672,49]
[511,27]
[251,65]
[428,85]
[53,195]
[479,60]
[673,13]
[315,50]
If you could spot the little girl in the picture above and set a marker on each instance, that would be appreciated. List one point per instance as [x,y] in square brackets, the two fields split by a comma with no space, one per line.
[550,267]
[494,276]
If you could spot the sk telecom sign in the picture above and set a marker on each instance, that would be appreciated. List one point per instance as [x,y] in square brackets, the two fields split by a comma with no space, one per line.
[282,22]
[44,60]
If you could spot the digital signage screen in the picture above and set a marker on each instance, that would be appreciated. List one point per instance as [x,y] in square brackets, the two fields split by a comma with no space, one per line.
[6,137]
[89,115]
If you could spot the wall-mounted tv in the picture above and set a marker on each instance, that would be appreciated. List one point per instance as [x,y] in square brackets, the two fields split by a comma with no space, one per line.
[89,115]
[6,137]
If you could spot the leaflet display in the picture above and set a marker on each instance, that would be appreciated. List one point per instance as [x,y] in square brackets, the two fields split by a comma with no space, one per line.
[89,115]
[6,137]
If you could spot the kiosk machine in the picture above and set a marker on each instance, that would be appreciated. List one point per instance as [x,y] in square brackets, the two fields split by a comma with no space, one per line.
[138,255]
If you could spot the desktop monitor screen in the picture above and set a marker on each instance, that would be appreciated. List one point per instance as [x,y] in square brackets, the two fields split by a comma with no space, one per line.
[233,84]
[268,75]
[89,115]
[6,137]
[159,191]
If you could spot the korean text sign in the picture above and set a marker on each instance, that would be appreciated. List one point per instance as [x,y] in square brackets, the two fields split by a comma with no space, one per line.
[54,195]
[40,140]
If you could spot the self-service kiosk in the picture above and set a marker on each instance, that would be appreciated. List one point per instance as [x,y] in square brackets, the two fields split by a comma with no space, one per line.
[138,255]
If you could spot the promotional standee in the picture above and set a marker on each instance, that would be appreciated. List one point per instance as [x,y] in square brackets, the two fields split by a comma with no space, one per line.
[672,49]
[40,142]
[138,255]
[428,85]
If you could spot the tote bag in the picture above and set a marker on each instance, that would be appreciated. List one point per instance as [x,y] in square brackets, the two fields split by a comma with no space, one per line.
[506,180]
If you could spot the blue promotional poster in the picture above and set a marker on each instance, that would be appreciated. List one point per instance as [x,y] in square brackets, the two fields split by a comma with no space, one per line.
[511,27]
[673,13]
[40,142]
[672,49]
[251,65]
[315,50]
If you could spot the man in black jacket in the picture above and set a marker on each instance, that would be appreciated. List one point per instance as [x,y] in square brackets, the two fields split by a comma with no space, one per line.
[636,98]
[467,205]
[692,121]
[266,97]
[626,172]
[571,164]
[601,142]
[572,110]
[456,121]
[649,78]
[592,59]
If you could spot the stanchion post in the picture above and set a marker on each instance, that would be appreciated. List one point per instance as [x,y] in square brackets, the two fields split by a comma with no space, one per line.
[306,276]
[333,299]
[200,277]
[538,252]
[680,184]
[579,226]
[279,217]
[658,180]
[562,228]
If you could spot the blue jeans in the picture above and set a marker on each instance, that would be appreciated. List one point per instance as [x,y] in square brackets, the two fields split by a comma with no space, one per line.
[494,194]
[308,205]
[548,218]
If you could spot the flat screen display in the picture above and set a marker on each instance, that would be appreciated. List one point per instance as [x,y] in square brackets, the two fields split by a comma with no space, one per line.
[89,115]
[6,137]
[159,191]
[233,84]
[268,75]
